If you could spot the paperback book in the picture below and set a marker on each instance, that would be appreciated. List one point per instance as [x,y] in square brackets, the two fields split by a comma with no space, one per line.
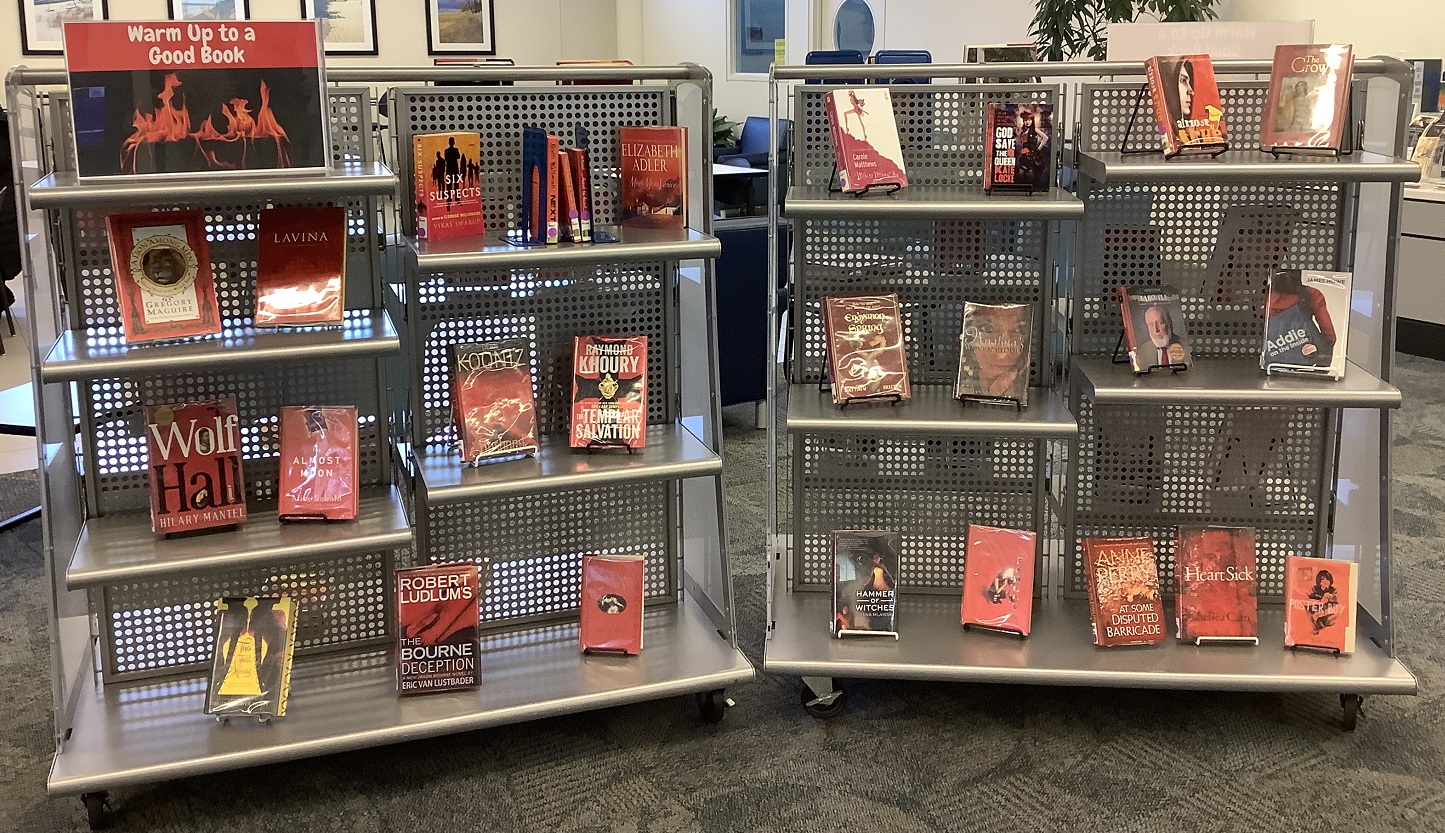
[447,168]
[320,467]
[255,637]
[1307,322]
[993,358]
[1187,107]
[493,404]
[1155,333]
[654,177]
[301,266]
[865,139]
[1216,581]
[1309,97]
[609,391]
[540,223]
[438,620]
[612,604]
[195,466]
[1320,596]
[1124,603]
[162,271]
[866,358]
[1018,148]
[865,582]
[569,215]
[998,579]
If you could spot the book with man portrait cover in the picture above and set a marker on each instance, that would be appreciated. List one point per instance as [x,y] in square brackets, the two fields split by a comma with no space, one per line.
[447,172]
[320,467]
[613,596]
[865,582]
[865,138]
[609,391]
[253,642]
[1306,322]
[1155,333]
[998,579]
[438,623]
[1187,107]
[1309,97]
[195,466]
[1319,598]
[1124,603]
[864,341]
[161,266]
[994,352]
[653,169]
[493,404]
[1216,583]
[301,266]
[1018,145]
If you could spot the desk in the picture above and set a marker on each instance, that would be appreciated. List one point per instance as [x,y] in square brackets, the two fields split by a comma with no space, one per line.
[1420,298]
[17,418]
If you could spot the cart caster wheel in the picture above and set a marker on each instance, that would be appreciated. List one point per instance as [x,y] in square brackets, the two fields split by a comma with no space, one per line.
[830,705]
[1351,704]
[712,705]
[97,810]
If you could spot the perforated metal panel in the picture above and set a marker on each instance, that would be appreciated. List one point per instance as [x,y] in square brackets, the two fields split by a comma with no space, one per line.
[500,113]
[1107,109]
[530,548]
[163,626]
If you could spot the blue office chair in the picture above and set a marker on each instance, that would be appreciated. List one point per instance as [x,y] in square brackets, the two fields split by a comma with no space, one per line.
[902,56]
[752,147]
[825,57]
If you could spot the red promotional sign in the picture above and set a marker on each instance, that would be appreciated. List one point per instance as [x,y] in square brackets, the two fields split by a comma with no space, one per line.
[119,45]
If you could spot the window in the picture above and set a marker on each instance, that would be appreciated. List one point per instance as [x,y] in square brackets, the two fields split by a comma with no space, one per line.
[756,26]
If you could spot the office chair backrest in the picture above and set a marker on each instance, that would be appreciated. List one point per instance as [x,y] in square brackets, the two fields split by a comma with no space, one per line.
[902,56]
[821,57]
[754,138]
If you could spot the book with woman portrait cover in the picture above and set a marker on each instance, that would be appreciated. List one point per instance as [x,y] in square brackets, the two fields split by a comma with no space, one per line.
[162,271]
[254,639]
[1154,329]
[447,174]
[864,342]
[865,582]
[1216,583]
[998,579]
[1124,603]
[493,405]
[1187,107]
[1309,97]
[1018,145]
[993,356]
[320,469]
[1306,323]
[1319,598]
[438,619]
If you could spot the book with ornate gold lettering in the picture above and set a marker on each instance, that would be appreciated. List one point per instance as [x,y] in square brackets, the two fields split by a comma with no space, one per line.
[1216,581]
[609,392]
[162,271]
[438,623]
[255,637]
[320,470]
[866,357]
[1124,602]
[493,404]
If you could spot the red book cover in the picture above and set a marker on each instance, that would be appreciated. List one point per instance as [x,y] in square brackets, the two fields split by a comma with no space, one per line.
[654,177]
[320,467]
[493,405]
[998,579]
[301,266]
[865,138]
[447,168]
[1018,149]
[612,602]
[609,391]
[162,270]
[1319,597]
[581,171]
[1124,603]
[197,96]
[1309,96]
[866,357]
[1216,582]
[1187,108]
[195,466]
[570,218]
[438,619]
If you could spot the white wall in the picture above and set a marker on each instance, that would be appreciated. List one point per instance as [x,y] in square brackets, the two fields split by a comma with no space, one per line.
[1397,28]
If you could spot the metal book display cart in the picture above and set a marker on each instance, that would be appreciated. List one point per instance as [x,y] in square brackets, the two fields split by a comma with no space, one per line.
[1099,451]
[131,614]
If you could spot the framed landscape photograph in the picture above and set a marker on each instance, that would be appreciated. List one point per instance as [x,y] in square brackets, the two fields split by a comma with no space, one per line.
[210,9]
[348,27]
[40,22]
[466,26]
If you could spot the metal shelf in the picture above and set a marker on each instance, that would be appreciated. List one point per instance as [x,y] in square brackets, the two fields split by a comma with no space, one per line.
[1234,382]
[932,411]
[140,734]
[1247,166]
[934,646]
[122,548]
[64,190]
[672,453]
[79,355]
[955,202]
[634,244]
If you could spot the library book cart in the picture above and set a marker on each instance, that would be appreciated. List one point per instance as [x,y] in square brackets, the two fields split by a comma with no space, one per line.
[1098,451]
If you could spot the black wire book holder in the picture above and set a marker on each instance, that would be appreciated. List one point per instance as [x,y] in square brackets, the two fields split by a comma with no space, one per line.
[1211,149]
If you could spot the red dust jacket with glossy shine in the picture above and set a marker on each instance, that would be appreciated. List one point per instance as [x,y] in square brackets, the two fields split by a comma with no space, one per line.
[1216,582]
[320,470]
[998,579]
[195,466]
[493,406]
[866,357]
[1124,601]
[162,271]
[612,601]
[437,622]
[609,391]
[301,266]
[1320,596]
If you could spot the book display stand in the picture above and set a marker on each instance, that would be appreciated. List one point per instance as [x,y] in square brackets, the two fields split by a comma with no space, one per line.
[1121,454]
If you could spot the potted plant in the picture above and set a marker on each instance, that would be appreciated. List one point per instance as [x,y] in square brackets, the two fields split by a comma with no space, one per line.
[1066,29]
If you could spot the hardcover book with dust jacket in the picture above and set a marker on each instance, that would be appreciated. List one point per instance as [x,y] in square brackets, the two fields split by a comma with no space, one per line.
[301,266]
[865,582]
[195,466]
[866,356]
[1155,332]
[609,391]
[1216,581]
[1124,603]
[1306,322]
[654,177]
[613,595]
[162,272]
[255,637]
[320,467]
[865,138]
[1018,145]
[1187,107]
[994,351]
[1320,596]
[493,404]
[438,620]
[998,579]
[1309,97]
[447,168]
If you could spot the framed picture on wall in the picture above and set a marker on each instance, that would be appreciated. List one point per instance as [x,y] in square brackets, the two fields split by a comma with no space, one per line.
[210,9]
[40,22]
[348,27]
[467,26]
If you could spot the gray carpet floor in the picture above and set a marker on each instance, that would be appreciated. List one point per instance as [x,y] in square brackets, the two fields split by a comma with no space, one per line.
[905,756]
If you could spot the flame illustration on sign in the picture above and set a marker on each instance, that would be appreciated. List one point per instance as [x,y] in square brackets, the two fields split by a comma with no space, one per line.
[171,122]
